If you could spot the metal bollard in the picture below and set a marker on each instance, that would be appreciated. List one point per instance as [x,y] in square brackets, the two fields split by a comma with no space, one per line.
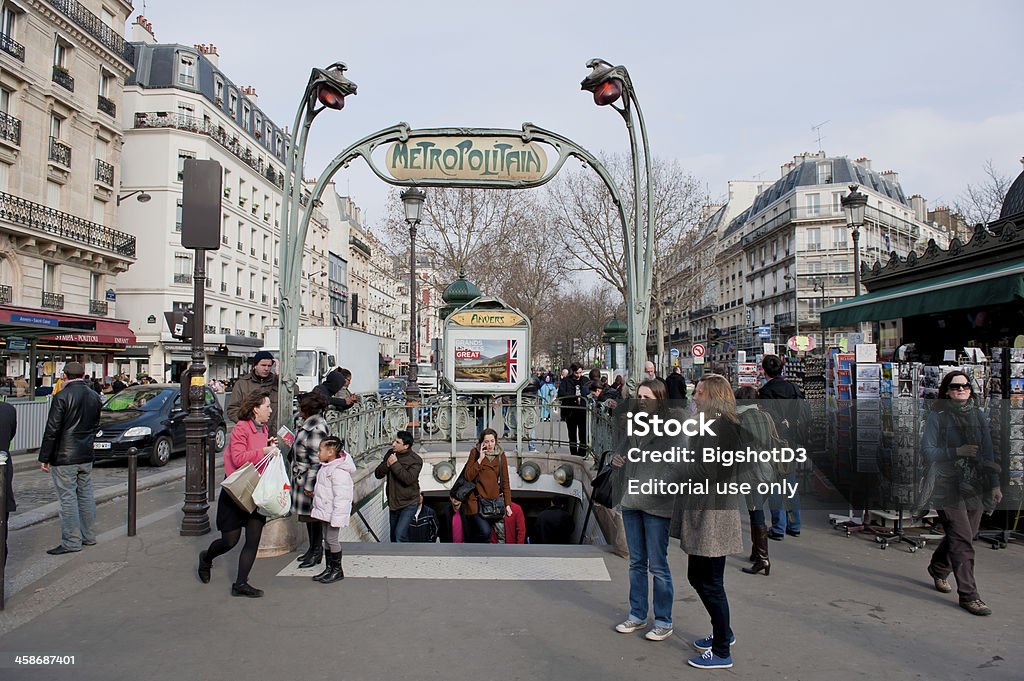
[133,470]
[4,463]
[211,466]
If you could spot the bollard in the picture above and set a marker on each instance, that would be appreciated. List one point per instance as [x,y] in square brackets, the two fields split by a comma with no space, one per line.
[4,463]
[133,469]
[211,466]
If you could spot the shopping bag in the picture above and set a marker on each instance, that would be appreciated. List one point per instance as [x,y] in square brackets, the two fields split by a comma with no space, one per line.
[240,485]
[272,495]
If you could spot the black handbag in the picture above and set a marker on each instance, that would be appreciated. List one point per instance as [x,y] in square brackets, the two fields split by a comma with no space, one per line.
[492,509]
[462,489]
[602,489]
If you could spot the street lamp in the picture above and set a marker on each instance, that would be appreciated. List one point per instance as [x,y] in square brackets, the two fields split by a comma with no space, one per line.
[610,84]
[142,197]
[412,201]
[326,89]
[853,205]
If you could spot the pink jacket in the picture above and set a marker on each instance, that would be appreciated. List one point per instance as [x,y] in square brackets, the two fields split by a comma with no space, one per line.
[246,446]
[332,498]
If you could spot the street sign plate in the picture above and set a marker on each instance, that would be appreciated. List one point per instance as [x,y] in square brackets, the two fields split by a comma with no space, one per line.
[698,350]
[674,352]
[764,331]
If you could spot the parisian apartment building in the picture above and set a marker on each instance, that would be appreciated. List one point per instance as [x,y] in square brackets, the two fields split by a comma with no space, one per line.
[177,105]
[63,246]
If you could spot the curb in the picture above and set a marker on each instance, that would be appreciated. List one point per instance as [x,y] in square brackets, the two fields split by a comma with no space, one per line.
[52,509]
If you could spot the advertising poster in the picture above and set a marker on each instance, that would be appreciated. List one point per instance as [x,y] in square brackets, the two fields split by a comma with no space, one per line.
[487,350]
[487,360]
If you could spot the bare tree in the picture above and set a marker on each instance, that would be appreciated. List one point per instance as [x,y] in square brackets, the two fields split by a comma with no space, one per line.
[981,203]
[571,325]
[533,273]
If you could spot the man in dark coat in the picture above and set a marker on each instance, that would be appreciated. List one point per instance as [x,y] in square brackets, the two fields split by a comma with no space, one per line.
[784,402]
[8,428]
[66,453]
[553,525]
[676,385]
[570,391]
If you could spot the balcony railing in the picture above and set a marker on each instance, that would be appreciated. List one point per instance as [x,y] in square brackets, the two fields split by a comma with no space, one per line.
[105,105]
[239,245]
[238,290]
[15,49]
[239,332]
[225,330]
[180,278]
[63,78]
[252,295]
[60,152]
[163,119]
[223,287]
[52,301]
[6,295]
[253,334]
[209,328]
[177,225]
[95,27]
[104,172]
[224,240]
[98,307]
[209,283]
[264,297]
[10,128]
[41,218]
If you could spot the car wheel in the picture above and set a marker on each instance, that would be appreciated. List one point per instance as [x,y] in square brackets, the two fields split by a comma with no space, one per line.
[161,452]
[220,438]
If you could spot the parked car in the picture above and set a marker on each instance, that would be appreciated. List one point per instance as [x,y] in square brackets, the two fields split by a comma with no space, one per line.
[391,386]
[151,418]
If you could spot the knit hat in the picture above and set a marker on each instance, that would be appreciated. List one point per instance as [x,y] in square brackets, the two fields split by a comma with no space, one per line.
[260,356]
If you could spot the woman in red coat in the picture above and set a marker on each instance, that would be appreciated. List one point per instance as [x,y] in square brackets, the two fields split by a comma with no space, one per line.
[249,443]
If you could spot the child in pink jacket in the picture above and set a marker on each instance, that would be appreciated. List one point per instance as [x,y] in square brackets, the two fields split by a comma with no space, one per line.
[332,502]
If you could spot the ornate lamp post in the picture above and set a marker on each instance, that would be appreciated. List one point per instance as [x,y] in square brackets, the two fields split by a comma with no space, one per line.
[412,201]
[610,84]
[326,89]
[853,205]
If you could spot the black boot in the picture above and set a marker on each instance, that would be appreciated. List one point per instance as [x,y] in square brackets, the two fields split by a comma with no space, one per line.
[334,564]
[759,536]
[204,568]
[311,531]
[316,545]
[327,568]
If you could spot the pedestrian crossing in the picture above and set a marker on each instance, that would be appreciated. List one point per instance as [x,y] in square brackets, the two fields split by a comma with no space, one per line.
[502,568]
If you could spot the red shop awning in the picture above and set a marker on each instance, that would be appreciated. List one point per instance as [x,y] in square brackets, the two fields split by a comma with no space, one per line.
[60,329]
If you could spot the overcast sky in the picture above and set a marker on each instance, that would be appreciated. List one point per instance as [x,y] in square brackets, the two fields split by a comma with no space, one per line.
[930,89]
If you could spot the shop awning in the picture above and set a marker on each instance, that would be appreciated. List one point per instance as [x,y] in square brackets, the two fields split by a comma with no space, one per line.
[991,285]
[63,329]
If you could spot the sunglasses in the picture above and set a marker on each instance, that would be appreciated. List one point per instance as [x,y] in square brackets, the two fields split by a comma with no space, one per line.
[959,386]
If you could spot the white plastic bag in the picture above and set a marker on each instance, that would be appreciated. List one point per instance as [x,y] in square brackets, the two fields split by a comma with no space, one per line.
[273,493]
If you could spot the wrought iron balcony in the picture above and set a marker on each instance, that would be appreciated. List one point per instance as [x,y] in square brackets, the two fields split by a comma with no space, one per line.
[225,330]
[40,218]
[252,252]
[10,128]
[239,332]
[60,152]
[63,78]
[209,283]
[224,239]
[209,328]
[98,307]
[230,141]
[6,295]
[180,278]
[95,27]
[104,172]
[15,49]
[52,301]
[223,287]
[106,106]
[239,245]
[253,334]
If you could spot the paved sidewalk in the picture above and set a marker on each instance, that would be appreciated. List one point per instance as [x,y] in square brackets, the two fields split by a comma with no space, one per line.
[833,609]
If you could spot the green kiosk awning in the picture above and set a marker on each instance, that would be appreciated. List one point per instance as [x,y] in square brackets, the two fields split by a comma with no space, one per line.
[991,285]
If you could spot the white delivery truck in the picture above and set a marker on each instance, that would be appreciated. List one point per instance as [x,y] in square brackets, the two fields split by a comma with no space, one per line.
[322,348]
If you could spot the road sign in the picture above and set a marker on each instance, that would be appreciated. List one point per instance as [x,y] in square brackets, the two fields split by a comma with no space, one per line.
[764,331]
[698,350]
[674,352]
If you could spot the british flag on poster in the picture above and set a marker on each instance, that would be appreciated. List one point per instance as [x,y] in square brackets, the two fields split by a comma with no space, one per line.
[512,363]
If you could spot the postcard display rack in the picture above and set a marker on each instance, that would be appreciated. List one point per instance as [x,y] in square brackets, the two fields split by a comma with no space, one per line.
[1005,387]
[807,373]
[876,434]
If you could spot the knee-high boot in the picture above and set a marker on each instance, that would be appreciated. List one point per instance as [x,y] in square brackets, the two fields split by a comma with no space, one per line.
[316,544]
[759,537]
[310,533]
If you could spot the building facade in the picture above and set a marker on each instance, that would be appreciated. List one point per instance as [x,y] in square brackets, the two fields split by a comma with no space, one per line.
[179,105]
[62,251]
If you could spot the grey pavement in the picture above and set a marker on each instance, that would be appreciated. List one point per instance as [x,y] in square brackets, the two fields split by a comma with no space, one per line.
[833,609]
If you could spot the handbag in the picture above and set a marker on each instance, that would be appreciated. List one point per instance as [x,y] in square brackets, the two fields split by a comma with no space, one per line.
[602,489]
[492,509]
[241,484]
[462,489]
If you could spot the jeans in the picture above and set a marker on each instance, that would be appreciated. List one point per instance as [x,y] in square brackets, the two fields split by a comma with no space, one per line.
[73,483]
[479,529]
[707,577]
[576,423]
[647,539]
[400,521]
[777,504]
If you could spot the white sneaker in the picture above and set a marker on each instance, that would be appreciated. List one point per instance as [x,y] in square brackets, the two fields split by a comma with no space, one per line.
[658,633]
[629,626]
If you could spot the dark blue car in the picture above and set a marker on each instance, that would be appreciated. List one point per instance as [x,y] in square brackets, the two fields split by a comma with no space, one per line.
[391,386]
[151,418]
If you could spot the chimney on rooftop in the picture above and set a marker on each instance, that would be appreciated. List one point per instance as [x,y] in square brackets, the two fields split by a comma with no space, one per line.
[863,162]
[210,52]
[250,92]
[142,31]
[892,176]
[920,206]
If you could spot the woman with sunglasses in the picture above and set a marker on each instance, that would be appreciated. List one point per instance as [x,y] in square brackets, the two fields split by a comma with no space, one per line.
[957,444]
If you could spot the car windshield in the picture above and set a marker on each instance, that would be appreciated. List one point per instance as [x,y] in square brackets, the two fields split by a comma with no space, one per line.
[139,399]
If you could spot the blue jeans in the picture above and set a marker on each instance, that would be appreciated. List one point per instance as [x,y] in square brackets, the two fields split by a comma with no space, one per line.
[647,539]
[400,521]
[777,504]
[77,504]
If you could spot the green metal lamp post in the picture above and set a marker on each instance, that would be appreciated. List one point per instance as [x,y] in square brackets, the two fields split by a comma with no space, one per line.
[609,84]
[854,204]
[614,337]
[328,89]
[412,201]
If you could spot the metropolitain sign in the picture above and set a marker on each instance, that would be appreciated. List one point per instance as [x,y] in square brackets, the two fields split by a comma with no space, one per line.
[482,159]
